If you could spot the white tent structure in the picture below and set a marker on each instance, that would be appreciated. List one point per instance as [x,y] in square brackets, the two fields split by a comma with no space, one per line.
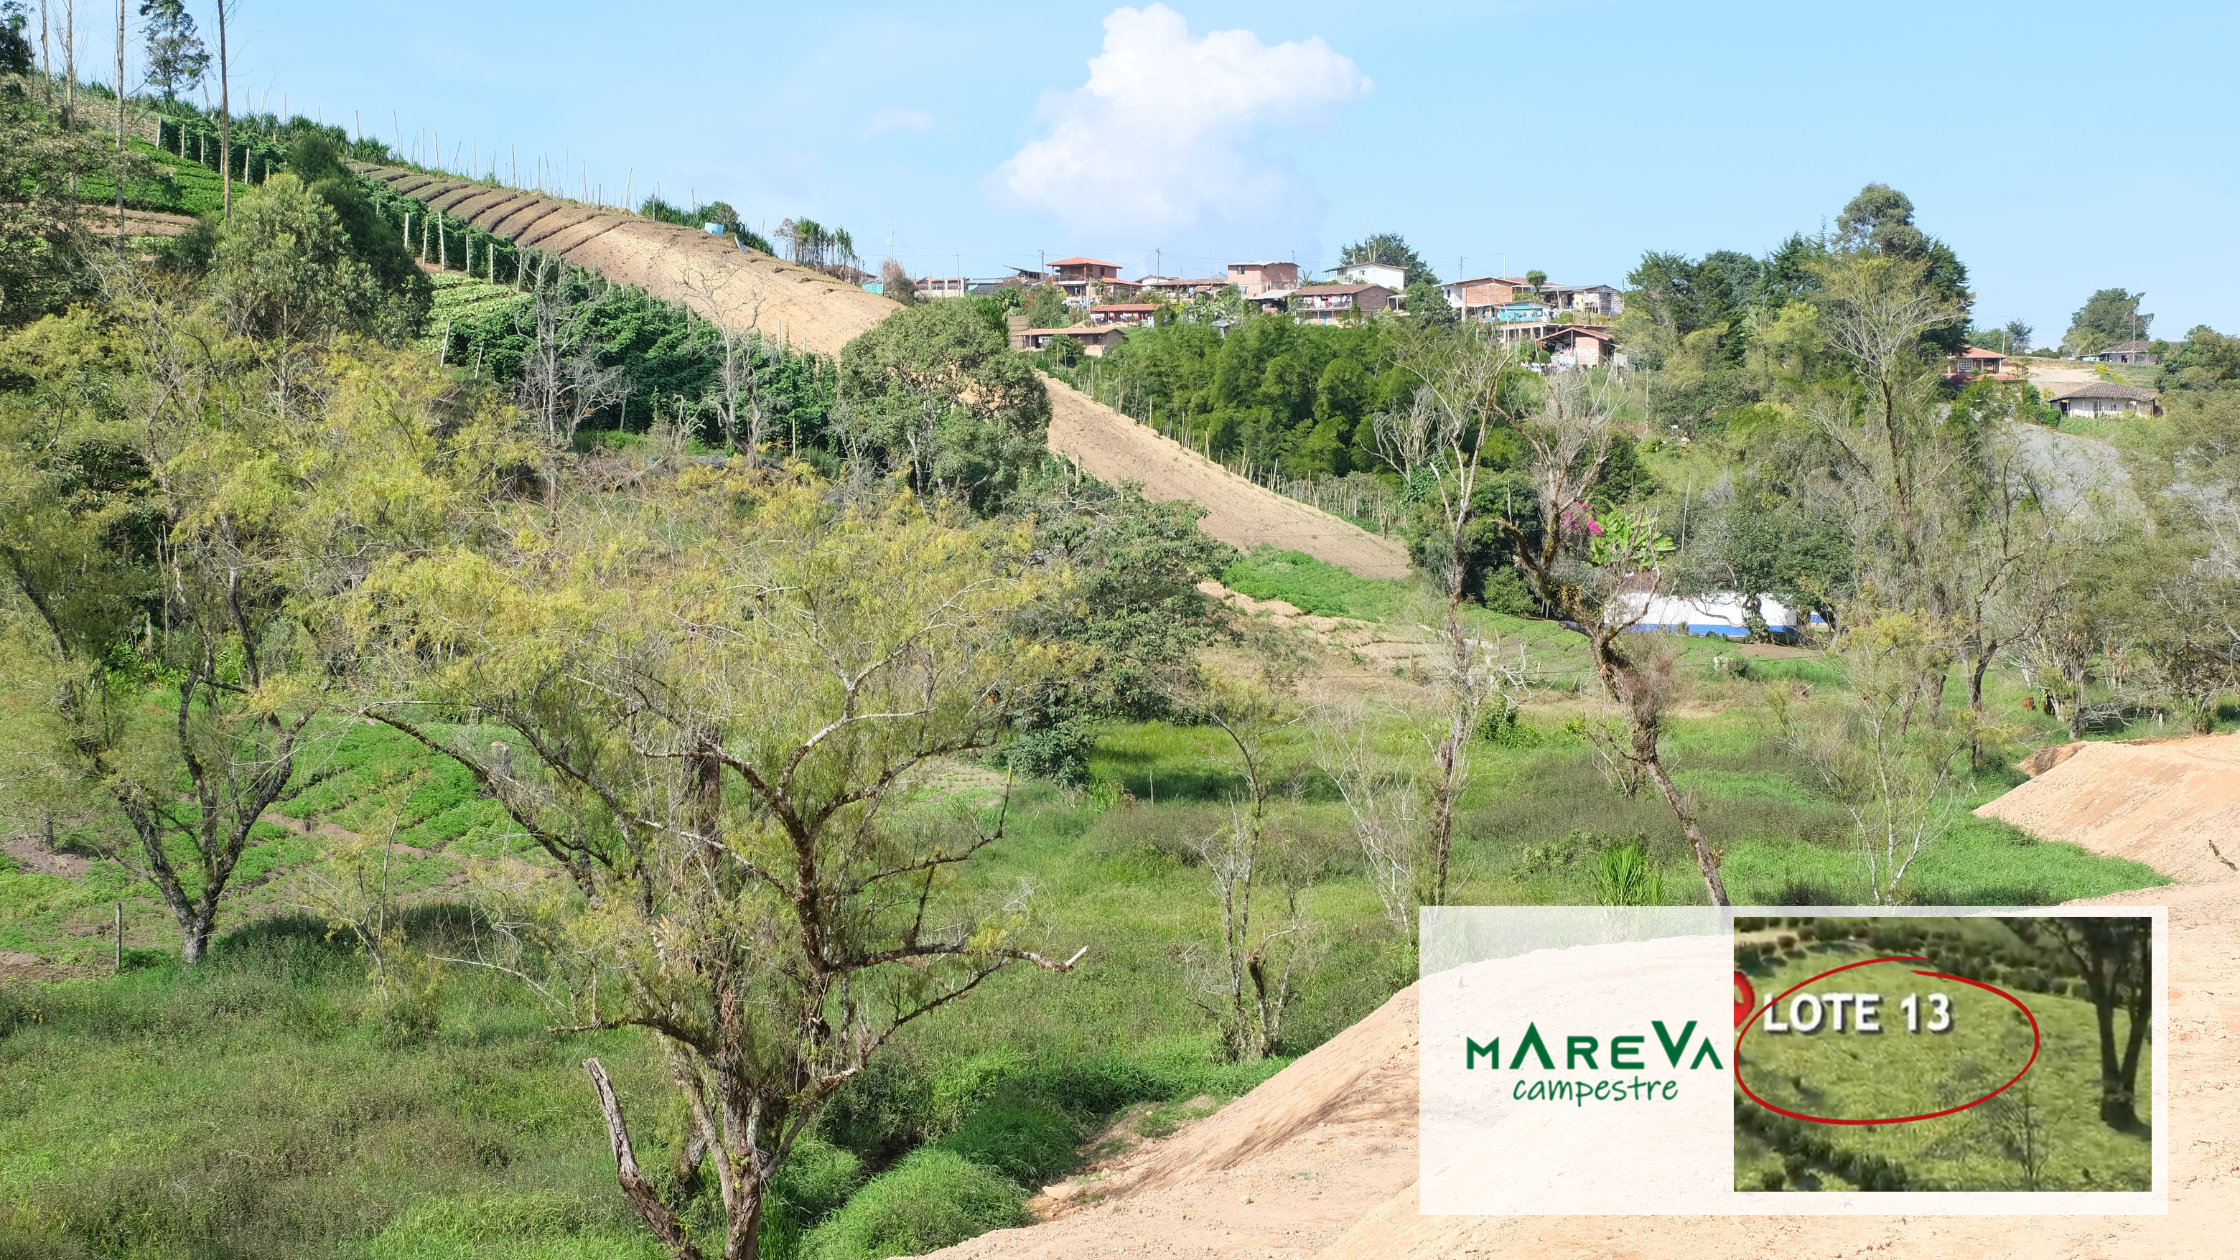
[1718,613]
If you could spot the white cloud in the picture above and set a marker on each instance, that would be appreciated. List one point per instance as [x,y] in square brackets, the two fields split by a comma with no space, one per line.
[1170,134]
[897,120]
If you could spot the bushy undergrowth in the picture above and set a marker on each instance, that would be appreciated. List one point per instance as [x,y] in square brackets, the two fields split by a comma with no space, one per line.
[933,1198]
[1312,586]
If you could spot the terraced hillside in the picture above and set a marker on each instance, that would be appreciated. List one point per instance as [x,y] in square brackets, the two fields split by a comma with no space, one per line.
[812,311]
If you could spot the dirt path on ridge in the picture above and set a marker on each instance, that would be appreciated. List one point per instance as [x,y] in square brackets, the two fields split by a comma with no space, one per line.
[811,311]
[1239,512]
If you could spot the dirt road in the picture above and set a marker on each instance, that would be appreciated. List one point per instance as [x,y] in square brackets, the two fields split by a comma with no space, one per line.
[1239,512]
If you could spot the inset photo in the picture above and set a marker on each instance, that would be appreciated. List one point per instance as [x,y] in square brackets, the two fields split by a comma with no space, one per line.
[1902,1053]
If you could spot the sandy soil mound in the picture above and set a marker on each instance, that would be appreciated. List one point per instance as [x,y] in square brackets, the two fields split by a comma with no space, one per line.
[743,288]
[2164,803]
[1240,513]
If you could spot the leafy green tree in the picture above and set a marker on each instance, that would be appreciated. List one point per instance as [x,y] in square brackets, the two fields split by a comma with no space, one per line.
[176,57]
[284,269]
[316,157]
[1880,218]
[1536,278]
[1136,620]
[1393,250]
[729,696]
[1046,308]
[174,528]
[934,391]
[42,247]
[2116,958]
[1676,297]
[1427,303]
[2017,336]
[15,50]
[2206,359]
[2107,317]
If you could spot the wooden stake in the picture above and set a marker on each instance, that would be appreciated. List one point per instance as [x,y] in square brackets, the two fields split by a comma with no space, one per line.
[120,938]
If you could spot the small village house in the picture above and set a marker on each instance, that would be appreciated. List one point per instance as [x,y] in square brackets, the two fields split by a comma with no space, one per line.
[1477,297]
[1579,346]
[1973,361]
[1386,274]
[1128,313]
[1085,280]
[1093,338]
[1336,303]
[1182,289]
[2127,352]
[2106,398]
[1256,278]
[1584,299]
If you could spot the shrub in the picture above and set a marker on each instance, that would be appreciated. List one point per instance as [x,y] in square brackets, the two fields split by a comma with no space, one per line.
[1025,1138]
[816,1179]
[932,1199]
[1771,1180]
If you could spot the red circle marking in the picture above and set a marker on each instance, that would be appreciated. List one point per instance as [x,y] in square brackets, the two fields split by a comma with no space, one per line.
[2037,1040]
[1746,1003]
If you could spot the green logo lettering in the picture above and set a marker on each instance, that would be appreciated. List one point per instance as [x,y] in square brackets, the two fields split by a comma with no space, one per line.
[1533,1043]
[1673,1048]
[1471,1051]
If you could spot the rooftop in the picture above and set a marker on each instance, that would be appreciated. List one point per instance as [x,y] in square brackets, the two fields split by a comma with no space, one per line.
[2107,389]
[1084,262]
[1328,290]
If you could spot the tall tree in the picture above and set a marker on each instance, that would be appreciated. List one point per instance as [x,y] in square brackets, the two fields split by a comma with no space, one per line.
[1393,250]
[180,525]
[2107,317]
[729,694]
[15,48]
[1880,219]
[176,56]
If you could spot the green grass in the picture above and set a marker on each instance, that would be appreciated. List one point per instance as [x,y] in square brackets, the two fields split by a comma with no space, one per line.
[1312,586]
[346,1128]
[1897,1073]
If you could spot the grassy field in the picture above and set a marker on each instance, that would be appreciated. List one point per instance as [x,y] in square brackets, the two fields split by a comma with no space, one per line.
[271,1104]
[1900,1073]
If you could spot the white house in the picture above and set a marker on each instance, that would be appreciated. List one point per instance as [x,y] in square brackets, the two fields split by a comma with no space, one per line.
[1385,274]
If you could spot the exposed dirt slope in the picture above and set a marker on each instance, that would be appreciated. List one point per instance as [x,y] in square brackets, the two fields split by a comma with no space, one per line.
[1320,1161]
[1239,512]
[746,289]
[2163,803]
[812,311]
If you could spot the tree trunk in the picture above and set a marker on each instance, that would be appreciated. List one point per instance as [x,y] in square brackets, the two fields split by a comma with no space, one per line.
[658,1216]
[1705,862]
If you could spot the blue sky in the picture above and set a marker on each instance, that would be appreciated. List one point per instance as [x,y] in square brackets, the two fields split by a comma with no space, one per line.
[2060,148]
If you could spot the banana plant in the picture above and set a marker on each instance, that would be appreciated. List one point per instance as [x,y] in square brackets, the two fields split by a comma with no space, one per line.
[1626,542]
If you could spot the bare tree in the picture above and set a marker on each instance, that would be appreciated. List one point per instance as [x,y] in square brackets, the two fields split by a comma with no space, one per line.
[1602,575]
[1387,809]
[563,381]
[1438,440]
[1247,983]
